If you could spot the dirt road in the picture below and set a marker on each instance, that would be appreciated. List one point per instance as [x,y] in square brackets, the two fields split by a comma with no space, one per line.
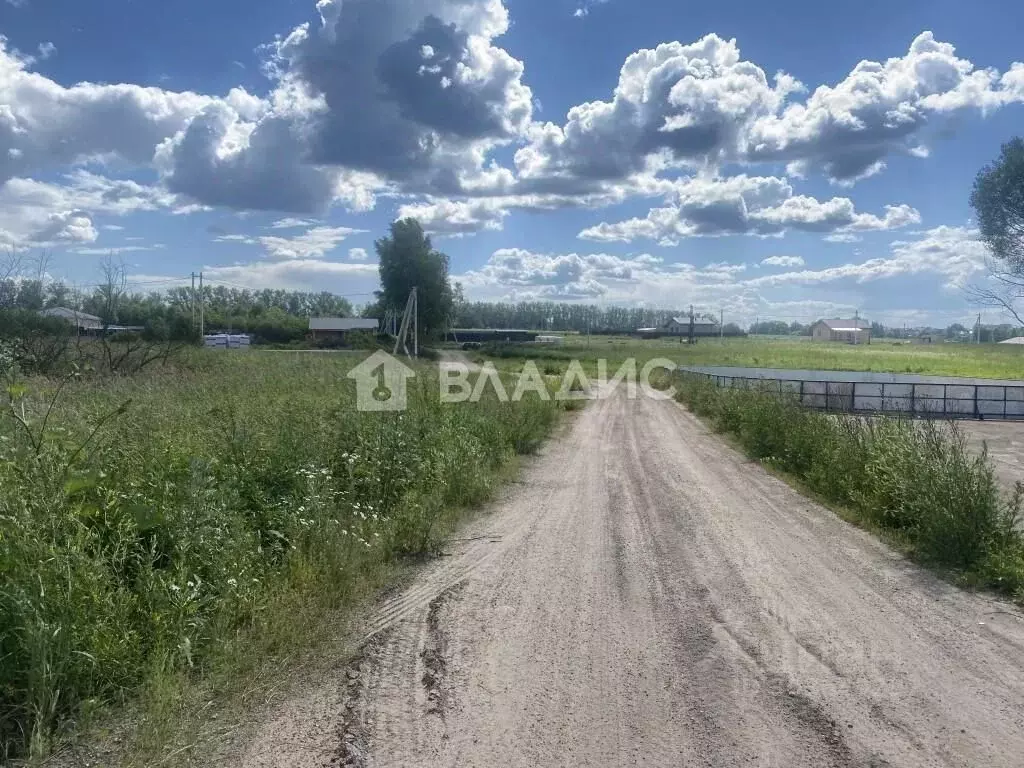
[646,596]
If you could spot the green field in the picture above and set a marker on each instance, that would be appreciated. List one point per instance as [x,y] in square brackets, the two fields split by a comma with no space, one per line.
[200,520]
[994,361]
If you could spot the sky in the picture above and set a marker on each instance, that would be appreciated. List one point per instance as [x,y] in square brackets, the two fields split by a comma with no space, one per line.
[792,160]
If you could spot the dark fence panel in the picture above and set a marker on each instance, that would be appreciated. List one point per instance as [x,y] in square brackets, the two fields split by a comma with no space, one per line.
[951,401]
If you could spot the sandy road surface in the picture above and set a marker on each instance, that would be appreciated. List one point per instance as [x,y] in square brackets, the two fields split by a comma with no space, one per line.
[646,596]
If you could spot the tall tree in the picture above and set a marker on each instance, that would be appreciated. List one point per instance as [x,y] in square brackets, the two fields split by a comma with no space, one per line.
[998,201]
[408,260]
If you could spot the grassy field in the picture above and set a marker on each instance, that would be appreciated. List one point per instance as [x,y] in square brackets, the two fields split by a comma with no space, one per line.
[995,361]
[192,522]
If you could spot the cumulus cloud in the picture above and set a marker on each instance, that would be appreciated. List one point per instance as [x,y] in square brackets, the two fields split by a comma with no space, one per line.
[953,255]
[44,125]
[36,213]
[847,130]
[702,105]
[357,254]
[783,261]
[412,98]
[456,218]
[676,103]
[751,205]
[395,89]
[315,243]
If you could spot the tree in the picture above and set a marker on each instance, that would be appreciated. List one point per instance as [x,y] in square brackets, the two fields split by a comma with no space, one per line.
[407,261]
[998,201]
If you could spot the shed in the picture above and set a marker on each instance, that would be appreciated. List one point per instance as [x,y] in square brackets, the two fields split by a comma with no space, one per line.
[854,331]
[340,327]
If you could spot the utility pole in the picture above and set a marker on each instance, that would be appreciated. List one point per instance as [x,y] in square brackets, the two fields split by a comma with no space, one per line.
[202,308]
[721,324]
[977,330]
[409,317]
[690,340]
[192,301]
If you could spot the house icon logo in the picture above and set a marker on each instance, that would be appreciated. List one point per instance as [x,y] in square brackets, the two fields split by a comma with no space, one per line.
[381,383]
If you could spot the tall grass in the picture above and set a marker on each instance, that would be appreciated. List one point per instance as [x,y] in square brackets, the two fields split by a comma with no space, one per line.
[914,479]
[152,526]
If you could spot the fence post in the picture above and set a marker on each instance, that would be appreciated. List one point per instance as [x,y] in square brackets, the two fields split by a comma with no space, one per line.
[913,400]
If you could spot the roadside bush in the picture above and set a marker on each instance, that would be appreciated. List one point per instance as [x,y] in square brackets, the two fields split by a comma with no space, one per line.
[914,477]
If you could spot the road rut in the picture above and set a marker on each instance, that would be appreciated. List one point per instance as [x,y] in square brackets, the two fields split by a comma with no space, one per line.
[647,596]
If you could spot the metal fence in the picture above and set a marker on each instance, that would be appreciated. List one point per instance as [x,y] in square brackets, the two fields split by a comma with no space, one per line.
[951,401]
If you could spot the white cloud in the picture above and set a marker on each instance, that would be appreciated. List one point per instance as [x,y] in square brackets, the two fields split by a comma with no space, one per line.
[843,237]
[456,218]
[752,205]
[46,50]
[112,227]
[952,255]
[783,261]
[297,274]
[955,254]
[676,103]
[357,254]
[292,223]
[116,250]
[315,243]
[846,131]
[44,125]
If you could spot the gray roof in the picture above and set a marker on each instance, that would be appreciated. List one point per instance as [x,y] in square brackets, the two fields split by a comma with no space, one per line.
[686,321]
[846,325]
[1014,340]
[73,316]
[343,324]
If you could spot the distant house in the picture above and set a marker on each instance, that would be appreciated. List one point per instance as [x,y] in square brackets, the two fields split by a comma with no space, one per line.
[680,326]
[1014,340]
[85,322]
[846,331]
[339,327]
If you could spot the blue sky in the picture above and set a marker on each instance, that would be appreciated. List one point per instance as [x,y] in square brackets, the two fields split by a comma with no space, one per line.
[788,160]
